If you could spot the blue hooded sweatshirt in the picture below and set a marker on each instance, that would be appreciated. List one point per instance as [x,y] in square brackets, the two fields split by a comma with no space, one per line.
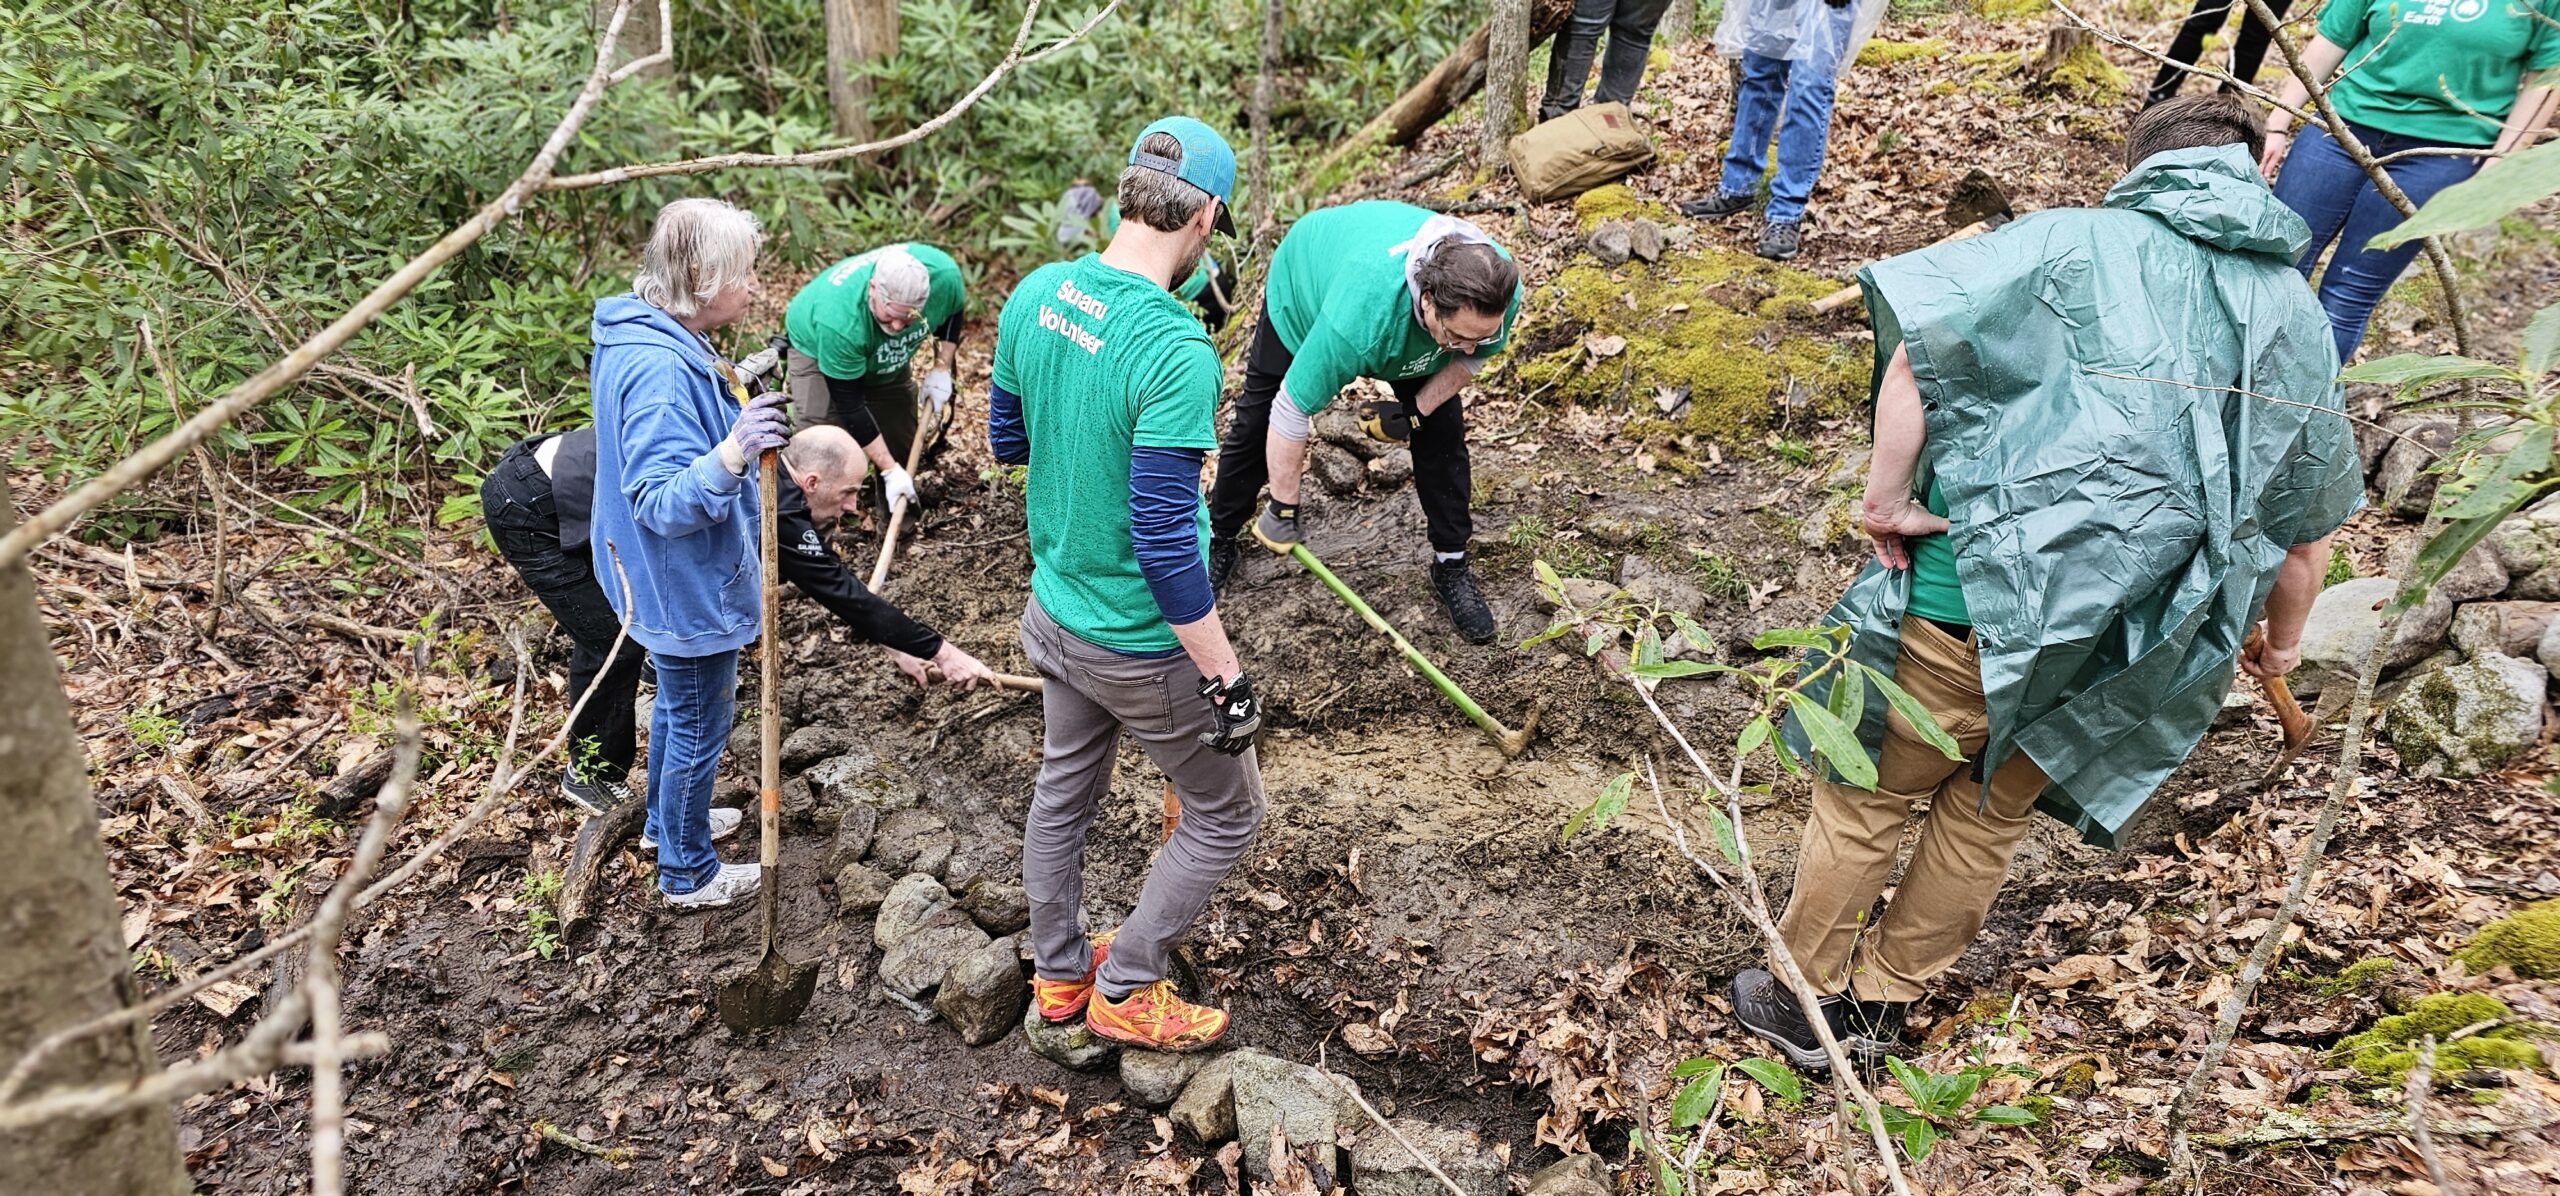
[682,524]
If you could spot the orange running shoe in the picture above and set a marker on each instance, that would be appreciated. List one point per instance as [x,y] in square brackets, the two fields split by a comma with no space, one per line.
[1062,1000]
[1154,1018]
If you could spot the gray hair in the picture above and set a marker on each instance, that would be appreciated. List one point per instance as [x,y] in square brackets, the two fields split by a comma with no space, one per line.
[900,278]
[697,249]
[1156,199]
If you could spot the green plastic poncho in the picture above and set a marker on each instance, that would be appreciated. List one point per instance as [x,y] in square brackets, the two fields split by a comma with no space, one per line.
[2119,505]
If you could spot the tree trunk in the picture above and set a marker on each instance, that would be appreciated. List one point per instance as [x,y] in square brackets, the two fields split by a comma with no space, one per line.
[1447,86]
[62,952]
[1506,71]
[1678,23]
[639,37]
[858,31]
[1262,88]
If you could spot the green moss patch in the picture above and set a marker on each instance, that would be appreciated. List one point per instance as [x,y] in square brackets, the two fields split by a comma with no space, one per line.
[2526,942]
[1616,201]
[2389,1049]
[2362,976]
[1885,52]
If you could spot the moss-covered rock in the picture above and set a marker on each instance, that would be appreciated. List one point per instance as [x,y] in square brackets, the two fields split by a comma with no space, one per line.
[1616,201]
[2085,74]
[2362,976]
[2526,942]
[2005,10]
[2389,1049]
[1708,321]
[1885,51]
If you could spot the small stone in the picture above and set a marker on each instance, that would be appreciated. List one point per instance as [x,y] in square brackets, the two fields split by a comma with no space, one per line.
[1815,531]
[2466,719]
[1070,1045]
[2476,576]
[982,859]
[808,745]
[1391,469]
[1575,1175]
[2548,651]
[913,840]
[1669,593]
[854,828]
[918,963]
[2405,483]
[1584,593]
[1301,1101]
[860,888]
[997,907]
[2506,628]
[1381,1166]
[1206,1109]
[983,993]
[1336,469]
[860,778]
[913,904]
[1612,243]
[1644,241]
[799,806]
[1156,1078]
[1851,473]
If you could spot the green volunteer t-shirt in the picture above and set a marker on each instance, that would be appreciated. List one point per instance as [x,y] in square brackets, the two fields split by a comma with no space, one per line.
[2438,70]
[830,319]
[1935,592]
[1192,286]
[1104,361]
[1338,298]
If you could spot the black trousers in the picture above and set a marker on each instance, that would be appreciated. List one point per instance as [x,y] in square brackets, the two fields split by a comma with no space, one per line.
[2209,16]
[516,500]
[1442,478]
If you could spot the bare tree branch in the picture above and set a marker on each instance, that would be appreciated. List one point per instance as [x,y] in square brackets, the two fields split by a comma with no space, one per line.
[328,1044]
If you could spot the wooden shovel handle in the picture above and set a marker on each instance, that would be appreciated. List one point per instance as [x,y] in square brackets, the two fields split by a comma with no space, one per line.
[2289,713]
[898,512]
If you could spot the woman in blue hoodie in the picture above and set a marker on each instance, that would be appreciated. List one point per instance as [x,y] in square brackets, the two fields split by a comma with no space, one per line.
[676,511]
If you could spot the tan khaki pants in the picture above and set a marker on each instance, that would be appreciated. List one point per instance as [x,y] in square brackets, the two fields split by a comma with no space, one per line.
[1964,851]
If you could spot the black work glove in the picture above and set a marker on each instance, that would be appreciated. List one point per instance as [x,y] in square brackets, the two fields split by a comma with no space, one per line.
[1238,712]
[1837,3]
[1388,420]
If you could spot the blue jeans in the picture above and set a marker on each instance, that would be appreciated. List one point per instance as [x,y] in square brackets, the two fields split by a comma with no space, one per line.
[2330,192]
[1791,100]
[688,729]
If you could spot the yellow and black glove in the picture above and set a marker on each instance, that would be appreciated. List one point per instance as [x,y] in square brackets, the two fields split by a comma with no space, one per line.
[1388,420]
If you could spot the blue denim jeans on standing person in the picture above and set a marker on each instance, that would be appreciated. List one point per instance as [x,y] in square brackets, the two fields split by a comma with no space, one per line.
[688,729]
[2329,191]
[1791,100]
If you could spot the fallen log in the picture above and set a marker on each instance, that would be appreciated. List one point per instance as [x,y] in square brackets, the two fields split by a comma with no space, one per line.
[599,838]
[1426,103]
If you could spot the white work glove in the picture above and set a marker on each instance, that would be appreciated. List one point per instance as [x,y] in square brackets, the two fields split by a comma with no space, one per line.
[898,487]
[937,389]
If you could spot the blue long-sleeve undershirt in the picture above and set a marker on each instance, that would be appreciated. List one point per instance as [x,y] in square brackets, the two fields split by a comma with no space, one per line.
[1164,523]
[1005,433]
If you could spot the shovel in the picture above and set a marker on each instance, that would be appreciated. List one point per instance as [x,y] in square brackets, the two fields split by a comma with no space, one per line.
[898,513]
[776,991]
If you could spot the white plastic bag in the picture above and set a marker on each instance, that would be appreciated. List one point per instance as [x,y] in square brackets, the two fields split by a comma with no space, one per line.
[1797,30]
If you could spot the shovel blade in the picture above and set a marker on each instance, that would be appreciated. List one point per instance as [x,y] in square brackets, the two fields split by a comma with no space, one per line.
[773,993]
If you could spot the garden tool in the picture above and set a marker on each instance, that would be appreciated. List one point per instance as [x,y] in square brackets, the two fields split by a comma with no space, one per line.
[2289,715]
[776,990]
[1511,742]
[898,513]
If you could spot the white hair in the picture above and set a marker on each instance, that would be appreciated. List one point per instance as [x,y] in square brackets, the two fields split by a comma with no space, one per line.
[697,249]
[899,278]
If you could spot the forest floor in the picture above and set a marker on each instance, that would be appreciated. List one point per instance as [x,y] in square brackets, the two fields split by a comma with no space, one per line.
[1409,885]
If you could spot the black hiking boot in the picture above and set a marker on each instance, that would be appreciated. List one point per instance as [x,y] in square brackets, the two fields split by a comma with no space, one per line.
[1780,240]
[1716,203]
[1874,1029]
[1223,555]
[1456,585]
[1767,1009]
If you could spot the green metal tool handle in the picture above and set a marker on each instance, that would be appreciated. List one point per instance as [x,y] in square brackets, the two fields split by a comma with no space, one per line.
[1511,742]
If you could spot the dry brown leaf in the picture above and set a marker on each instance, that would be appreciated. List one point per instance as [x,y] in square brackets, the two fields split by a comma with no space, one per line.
[225,997]
[1367,1039]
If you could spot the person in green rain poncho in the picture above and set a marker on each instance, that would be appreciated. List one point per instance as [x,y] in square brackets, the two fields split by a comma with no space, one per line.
[2108,441]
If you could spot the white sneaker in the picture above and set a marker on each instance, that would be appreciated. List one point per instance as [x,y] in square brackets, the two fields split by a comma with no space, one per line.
[724,823]
[733,882]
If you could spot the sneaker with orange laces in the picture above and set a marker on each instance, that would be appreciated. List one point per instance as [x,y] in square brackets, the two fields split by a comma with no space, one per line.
[1063,1000]
[1156,1019]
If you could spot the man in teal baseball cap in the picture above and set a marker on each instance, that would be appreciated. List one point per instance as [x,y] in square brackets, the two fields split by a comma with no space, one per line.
[1107,387]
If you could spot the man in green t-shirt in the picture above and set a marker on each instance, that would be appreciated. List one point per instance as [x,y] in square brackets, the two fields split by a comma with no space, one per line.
[1107,388]
[1379,290]
[854,328]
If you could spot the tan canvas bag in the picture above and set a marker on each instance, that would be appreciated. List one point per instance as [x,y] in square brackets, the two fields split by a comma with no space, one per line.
[1578,151]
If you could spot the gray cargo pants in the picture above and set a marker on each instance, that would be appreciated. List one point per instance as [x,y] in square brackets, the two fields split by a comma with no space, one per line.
[1092,693]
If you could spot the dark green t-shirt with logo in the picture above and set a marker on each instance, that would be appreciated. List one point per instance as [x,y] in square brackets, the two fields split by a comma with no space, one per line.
[830,319]
[1338,298]
[2438,70]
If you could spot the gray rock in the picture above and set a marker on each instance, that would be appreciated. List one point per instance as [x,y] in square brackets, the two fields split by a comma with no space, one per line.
[860,888]
[1156,1078]
[913,904]
[1338,425]
[1669,593]
[2527,546]
[854,828]
[860,778]
[997,907]
[1068,1044]
[2506,628]
[1851,473]
[1303,1102]
[1575,1175]
[1381,1166]
[2466,719]
[1336,469]
[799,806]
[1613,242]
[2404,483]
[1644,241]
[2548,651]
[984,993]
[2343,624]
[808,745]
[1615,529]
[2372,405]
[1391,469]
[1585,593]
[913,840]
[2476,576]
[918,963]
[982,859]
[1206,1109]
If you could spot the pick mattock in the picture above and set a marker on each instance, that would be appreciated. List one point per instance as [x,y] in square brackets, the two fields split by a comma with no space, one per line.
[1511,742]
[898,511]
[776,990]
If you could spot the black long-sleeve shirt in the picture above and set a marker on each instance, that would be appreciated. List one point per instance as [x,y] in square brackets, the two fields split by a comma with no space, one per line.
[802,554]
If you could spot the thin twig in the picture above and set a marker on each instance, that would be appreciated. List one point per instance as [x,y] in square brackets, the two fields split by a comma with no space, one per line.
[2426,1141]
[321,980]
[1409,1148]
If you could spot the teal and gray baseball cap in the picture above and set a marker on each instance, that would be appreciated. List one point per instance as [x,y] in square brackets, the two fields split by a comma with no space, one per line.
[1206,161]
